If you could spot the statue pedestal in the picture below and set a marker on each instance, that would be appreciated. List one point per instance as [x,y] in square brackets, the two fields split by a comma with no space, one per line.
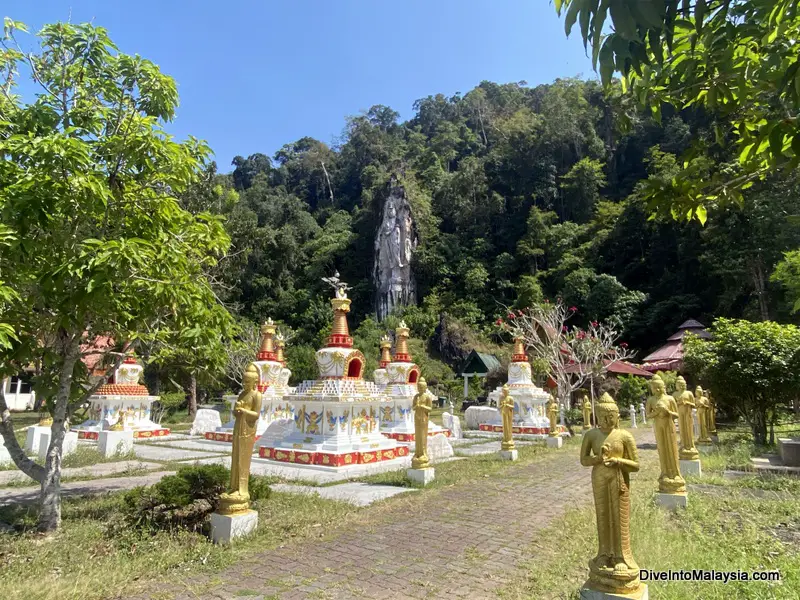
[110,443]
[32,438]
[588,593]
[672,501]
[421,476]
[715,438]
[68,447]
[555,442]
[704,448]
[691,467]
[511,455]
[226,528]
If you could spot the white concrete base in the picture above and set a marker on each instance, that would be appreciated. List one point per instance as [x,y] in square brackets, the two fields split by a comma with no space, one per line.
[226,528]
[111,443]
[5,457]
[32,438]
[691,467]
[423,476]
[68,447]
[704,448]
[511,455]
[555,442]
[672,501]
[590,594]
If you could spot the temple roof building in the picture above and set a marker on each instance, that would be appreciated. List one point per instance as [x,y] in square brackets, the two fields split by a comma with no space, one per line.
[669,357]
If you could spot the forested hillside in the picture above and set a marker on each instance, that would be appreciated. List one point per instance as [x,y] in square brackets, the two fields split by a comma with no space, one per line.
[518,193]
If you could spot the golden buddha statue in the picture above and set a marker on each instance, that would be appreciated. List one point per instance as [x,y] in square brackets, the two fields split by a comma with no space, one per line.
[552,414]
[46,420]
[685,401]
[421,405]
[662,408]
[703,409]
[507,412]
[712,414]
[587,413]
[611,452]
[246,412]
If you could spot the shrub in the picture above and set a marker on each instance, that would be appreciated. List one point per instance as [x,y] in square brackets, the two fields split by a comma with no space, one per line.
[183,500]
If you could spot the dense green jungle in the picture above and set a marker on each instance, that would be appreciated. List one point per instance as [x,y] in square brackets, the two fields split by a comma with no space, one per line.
[518,194]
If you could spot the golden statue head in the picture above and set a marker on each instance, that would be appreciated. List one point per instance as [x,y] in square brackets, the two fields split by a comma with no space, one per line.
[657,387]
[505,390]
[607,412]
[680,384]
[422,385]
[698,392]
[250,378]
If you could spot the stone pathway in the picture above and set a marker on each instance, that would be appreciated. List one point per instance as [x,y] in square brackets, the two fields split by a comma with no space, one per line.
[30,495]
[461,542]
[98,470]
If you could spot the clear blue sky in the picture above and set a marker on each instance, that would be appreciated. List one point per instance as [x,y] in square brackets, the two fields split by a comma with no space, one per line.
[254,75]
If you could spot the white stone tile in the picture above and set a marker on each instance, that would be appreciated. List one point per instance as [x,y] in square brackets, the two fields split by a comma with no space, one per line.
[357,493]
[167,453]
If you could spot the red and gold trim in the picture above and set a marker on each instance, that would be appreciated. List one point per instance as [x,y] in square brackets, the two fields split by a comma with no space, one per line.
[84,434]
[410,437]
[521,429]
[340,341]
[117,389]
[329,459]
[219,436]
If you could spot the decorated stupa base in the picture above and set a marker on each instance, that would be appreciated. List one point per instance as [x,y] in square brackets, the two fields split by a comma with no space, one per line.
[122,400]
[521,429]
[397,417]
[273,408]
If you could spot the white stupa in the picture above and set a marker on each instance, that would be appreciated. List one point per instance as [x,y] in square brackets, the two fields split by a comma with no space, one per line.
[529,400]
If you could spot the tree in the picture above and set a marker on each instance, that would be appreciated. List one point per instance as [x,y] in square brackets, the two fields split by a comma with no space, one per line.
[753,369]
[574,354]
[97,246]
[735,58]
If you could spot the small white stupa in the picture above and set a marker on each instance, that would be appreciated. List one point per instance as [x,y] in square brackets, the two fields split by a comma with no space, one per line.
[122,399]
[273,383]
[529,400]
[397,419]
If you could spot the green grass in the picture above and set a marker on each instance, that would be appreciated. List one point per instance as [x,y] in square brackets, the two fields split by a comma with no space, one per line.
[84,561]
[726,532]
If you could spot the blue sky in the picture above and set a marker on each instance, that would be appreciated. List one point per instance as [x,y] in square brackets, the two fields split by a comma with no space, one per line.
[254,75]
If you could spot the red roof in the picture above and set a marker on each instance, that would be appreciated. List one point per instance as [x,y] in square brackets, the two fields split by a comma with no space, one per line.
[670,355]
[618,367]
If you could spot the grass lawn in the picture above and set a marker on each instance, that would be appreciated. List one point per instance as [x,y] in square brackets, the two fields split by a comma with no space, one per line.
[728,527]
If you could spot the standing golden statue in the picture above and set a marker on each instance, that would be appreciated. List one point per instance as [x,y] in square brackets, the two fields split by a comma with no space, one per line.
[507,412]
[685,401]
[422,405]
[611,452]
[587,413]
[552,414]
[712,414]
[246,412]
[703,409]
[663,409]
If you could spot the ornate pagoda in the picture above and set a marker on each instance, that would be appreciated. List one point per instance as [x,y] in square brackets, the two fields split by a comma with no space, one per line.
[529,400]
[380,376]
[397,418]
[273,383]
[123,400]
[337,418]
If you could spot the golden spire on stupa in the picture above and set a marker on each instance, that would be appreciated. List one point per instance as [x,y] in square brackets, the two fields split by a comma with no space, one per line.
[280,343]
[519,354]
[401,353]
[386,357]
[340,333]
[267,350]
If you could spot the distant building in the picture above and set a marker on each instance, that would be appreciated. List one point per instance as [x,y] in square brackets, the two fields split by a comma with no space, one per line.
[18,392]
[669,357]
[478,364]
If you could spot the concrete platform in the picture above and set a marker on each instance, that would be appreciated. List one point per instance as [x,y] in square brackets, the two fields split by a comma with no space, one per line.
[166,453]
[672,501]
[356,493]
[98,470]
[772,463]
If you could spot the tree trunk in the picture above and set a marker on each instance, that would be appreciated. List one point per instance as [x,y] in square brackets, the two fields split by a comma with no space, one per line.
[192,395]
[758,425]
[50,496]
[760,285]
[24,464]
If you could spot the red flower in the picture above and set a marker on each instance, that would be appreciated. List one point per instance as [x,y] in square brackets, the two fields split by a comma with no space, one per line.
[498,322]
[573,309]
[563,328]
[520,313]
[594,323]
[624,344]
[512,316]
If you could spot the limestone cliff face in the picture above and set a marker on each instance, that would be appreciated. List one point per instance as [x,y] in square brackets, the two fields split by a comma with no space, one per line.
[395,243]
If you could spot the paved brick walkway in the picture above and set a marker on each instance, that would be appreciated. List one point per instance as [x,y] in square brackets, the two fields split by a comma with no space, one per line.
[458,543]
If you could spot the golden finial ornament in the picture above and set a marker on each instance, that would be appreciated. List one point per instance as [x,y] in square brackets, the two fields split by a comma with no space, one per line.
[267,350]
[611,452]
[421,405]
[507,414]
[246,412]
[663,410]
[386,346]
[519,354]
[685,401]
[280,344]
[401,353]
